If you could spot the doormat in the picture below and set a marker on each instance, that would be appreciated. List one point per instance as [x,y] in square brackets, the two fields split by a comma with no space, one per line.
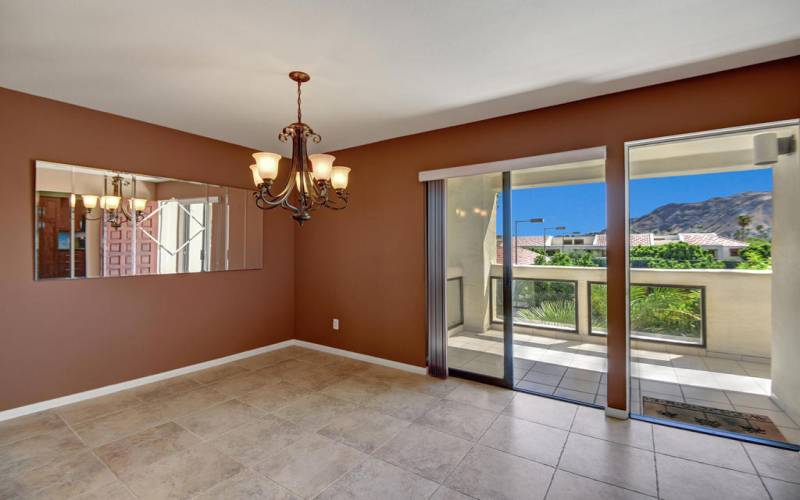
[728,420]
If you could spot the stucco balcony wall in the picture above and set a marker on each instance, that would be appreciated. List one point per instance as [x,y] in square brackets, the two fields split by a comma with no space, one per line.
[737,306]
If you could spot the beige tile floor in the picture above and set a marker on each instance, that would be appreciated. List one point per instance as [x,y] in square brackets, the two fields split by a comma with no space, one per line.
[576,370]
[296,423]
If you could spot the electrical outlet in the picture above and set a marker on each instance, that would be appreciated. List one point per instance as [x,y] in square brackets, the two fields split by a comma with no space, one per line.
[335,323]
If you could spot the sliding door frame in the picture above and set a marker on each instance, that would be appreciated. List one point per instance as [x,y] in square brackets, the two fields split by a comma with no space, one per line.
[436,189]
[706,134]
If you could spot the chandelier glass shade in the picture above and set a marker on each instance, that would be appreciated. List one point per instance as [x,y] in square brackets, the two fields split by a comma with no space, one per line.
[308,187]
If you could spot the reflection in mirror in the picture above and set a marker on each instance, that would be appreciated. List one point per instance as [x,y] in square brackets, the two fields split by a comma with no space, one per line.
[96,223]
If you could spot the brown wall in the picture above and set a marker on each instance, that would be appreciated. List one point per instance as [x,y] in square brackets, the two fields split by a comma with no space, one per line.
[62,337]
[366,265]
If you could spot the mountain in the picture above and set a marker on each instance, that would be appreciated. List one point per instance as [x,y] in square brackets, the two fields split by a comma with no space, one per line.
[715,215]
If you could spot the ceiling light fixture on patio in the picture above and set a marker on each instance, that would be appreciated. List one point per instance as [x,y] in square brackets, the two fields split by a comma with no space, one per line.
[314,186]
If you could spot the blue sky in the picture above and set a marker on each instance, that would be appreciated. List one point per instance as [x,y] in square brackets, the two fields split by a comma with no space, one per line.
[582,207]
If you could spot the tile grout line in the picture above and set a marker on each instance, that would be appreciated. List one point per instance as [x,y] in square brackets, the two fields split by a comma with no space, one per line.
[201,440]
[606,483]
[362,462]
[371,454]
[600,480]
[760,478]
[305,432]
[473,444]
[561,454]
[94,454]
[655,460]
[200,385]
[693,460]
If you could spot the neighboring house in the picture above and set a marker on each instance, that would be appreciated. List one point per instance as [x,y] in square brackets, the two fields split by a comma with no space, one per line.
[723,248]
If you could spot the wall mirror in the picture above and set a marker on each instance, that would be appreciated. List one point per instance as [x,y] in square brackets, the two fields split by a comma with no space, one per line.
[93,223]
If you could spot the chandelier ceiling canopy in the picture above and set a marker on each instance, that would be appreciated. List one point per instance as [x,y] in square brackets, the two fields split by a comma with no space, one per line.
[323,185]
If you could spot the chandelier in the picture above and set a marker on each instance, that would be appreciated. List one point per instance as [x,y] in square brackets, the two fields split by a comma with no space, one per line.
[322,186]
[117,211]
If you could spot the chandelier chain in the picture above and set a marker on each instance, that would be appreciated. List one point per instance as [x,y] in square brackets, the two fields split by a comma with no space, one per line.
[299,111]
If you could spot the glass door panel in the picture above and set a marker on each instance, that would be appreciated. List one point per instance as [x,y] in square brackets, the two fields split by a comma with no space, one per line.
[714,281]
[475,229]
[558,253]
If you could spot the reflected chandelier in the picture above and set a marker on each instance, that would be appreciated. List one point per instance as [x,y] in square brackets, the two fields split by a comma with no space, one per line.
[117,209]
[313,187]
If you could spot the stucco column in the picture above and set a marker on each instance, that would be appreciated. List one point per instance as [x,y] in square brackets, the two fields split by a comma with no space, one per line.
[786,283]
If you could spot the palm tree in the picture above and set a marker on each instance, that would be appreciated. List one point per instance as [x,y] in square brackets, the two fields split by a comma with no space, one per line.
[743,220]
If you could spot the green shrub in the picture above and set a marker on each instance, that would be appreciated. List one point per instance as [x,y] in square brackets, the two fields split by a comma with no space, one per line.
[677,255]
[757,255]
[560,312]
[658,310]
[579,258]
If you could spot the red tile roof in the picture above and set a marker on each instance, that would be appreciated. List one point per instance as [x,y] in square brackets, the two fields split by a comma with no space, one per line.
[637,239]
[524,256]
[531,241]
[710,239]
[703,239]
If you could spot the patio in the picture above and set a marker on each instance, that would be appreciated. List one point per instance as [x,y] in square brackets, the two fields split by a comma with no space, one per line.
[575,369]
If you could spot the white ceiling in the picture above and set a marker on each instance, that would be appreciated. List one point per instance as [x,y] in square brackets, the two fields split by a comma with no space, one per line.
[379,68]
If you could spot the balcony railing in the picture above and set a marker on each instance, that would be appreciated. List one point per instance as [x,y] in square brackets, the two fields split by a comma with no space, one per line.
[660,313]
[540,303]
[721,310]
[455,302]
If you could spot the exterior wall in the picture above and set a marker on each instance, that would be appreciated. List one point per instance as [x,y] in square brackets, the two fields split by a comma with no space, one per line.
[738,303]
[60,337]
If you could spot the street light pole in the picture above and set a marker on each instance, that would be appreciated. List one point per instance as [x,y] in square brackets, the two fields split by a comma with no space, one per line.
[535,220]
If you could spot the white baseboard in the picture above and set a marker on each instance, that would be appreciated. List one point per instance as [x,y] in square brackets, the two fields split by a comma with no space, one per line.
[421,370]
[617,413]
[129,384]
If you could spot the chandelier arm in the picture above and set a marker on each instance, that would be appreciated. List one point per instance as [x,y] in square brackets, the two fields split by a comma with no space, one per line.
[319,196]
[125,212]
[288,205]
[341,201]
[305,198]
[263,204]
[285,191]
[333,206]
[269,200]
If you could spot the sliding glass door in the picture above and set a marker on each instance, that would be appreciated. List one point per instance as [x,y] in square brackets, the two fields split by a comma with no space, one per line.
[714,282]
[476,223]
[558,253]
[523,248]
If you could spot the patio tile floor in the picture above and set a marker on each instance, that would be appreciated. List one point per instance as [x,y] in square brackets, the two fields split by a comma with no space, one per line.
[575,369]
